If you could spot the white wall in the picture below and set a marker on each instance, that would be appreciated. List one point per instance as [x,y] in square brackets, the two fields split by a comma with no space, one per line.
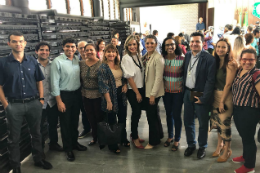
[172,18]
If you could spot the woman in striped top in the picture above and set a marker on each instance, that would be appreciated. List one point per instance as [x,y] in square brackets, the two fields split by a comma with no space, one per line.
[246,92]
[173,98]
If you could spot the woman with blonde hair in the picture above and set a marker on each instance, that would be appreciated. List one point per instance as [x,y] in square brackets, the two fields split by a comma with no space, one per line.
[133,71]
[239,45]
[113,90]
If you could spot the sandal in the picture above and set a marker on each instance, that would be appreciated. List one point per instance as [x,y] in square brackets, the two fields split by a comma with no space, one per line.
[167,144]
[116,151]
[126,143]
[175,148]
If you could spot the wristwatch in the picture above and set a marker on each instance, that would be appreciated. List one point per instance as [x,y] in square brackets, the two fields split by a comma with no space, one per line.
[41,99]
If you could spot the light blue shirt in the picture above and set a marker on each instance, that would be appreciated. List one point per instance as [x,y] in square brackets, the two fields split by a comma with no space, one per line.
[254,44]
[191,75]
[65,74]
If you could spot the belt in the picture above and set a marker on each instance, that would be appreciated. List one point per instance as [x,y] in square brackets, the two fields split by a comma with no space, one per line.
[26,100]
[189,89]
[70,92]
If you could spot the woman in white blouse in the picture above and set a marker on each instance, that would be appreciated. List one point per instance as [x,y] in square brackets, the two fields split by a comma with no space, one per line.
[133,71]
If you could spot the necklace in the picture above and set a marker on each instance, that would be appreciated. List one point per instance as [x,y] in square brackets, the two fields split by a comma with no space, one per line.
[138,65]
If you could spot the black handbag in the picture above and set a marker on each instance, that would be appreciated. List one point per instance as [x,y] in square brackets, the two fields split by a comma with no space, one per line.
[109,134]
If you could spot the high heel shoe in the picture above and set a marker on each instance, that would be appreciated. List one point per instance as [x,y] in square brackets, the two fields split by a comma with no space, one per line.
[126,143]
[139,147]
[140,140]
[215,154]
[221,160]
[148,146]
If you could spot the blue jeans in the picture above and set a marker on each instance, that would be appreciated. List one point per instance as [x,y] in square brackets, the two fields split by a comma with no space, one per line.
[173,105]
[202,112]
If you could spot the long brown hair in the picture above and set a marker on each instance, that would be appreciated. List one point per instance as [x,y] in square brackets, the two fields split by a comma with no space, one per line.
[228,56]
[112,47]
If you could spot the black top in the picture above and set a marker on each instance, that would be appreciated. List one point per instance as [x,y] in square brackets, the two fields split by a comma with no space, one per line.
[19,79]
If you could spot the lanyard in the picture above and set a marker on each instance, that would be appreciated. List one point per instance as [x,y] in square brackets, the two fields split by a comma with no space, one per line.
[138,65]
[191,66]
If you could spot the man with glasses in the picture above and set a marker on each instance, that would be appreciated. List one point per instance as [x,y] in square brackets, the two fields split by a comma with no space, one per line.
[21,83]
[198,81]
[65,86]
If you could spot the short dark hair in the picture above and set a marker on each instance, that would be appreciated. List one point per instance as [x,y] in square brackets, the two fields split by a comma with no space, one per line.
[181,35]
[229,27]
[252,51]
[155,32]
[249,38]
[194,34]
[170,34]
[256,31]
[177,51]
[152,37]
[91,44]
[16,33]
[42,43]
[69,40]
[115,32]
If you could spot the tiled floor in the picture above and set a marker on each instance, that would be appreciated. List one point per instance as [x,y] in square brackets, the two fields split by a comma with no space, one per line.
[132,160]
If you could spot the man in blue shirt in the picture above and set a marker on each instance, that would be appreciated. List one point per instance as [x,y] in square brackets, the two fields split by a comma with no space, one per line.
[49,108]
[65,87]
[21,83]
[200,27]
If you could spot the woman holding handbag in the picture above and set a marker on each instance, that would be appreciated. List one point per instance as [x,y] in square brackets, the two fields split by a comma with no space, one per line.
[133,71]
[246,91]
[113,90]
[223,105]
[153,64]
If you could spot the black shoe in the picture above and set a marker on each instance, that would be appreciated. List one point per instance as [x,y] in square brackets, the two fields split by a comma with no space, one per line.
[189,151]
[43,164]
[55,147]
[80,147]
[92,143]
[70,156]
[83,134]
[17,170]
[201,153]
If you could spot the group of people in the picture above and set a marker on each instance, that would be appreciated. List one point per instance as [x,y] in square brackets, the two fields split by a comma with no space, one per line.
[109,75]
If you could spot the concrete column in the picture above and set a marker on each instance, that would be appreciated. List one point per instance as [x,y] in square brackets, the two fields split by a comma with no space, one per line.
[23,5]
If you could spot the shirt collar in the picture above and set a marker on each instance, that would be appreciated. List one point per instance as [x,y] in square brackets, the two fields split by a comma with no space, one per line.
[249,72]
[11,57]
[65,57]
[49,63]
[196,56]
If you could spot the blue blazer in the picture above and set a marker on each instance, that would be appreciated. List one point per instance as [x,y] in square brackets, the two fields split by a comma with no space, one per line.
[205,75]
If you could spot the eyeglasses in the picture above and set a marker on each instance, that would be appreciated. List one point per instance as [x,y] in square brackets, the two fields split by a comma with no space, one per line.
[168,45]
[246,59]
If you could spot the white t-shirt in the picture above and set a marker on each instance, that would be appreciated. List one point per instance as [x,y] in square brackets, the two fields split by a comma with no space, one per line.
[131,70]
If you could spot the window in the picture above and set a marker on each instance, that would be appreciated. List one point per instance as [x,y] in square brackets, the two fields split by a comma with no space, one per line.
[112,10]
[2,2]
[106,9]
[59,5]
[87,6]
[117,9]
[37,5]
[75,7]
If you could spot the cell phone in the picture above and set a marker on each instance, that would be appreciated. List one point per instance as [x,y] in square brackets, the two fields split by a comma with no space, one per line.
[225,107]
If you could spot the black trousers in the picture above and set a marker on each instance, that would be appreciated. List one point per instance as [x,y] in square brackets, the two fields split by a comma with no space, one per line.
[94,114]
[119,117]
[51,114]
[15,114]
[69,120]
[84,118]
[154,121]
[246,119]
[136,110]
